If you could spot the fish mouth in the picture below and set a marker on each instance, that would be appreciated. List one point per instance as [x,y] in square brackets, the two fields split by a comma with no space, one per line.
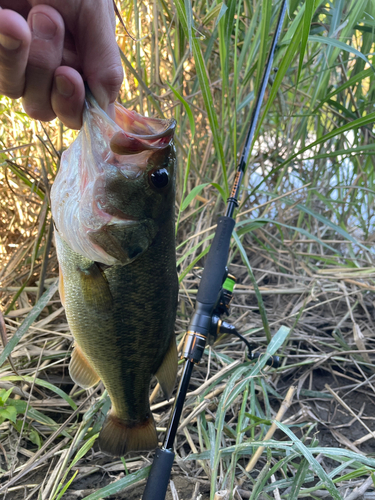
[137,133]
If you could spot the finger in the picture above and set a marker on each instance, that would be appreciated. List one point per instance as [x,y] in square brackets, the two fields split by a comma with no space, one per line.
[47,28]
[15,38]
[68,95]
[93,26]
[99,52]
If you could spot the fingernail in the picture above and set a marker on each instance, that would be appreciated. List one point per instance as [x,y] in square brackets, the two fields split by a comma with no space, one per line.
[42,26]
[9,42]
[64,86]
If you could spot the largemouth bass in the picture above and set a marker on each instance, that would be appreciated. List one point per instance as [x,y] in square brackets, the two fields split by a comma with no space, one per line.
[113,208]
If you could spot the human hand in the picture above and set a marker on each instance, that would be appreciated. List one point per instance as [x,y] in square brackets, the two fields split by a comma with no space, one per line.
[48,51]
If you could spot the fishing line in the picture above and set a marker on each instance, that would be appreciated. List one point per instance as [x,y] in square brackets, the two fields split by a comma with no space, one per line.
[215,292]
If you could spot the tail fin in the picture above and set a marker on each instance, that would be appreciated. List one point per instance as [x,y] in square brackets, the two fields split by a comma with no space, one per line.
[118,438]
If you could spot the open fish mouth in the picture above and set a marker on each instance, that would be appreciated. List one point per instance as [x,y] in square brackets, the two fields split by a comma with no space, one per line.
[140,133]
[105,154]
[130,139]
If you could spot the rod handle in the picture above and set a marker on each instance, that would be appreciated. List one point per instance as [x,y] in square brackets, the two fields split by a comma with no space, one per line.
[157,482]
[214,269]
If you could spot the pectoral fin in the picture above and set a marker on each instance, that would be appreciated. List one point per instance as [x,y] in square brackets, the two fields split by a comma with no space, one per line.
[80,370]
[95,288]
[167,372]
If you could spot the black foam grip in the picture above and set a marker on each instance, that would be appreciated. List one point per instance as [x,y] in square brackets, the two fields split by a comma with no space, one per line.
[158,479]
[216,262]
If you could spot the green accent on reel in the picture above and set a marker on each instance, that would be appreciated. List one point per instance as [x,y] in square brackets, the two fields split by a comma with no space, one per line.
[229,284]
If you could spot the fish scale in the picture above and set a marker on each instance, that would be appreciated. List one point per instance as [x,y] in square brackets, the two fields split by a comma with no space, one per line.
[127,355]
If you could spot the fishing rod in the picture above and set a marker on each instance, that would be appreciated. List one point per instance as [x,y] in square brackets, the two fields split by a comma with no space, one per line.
[213,298]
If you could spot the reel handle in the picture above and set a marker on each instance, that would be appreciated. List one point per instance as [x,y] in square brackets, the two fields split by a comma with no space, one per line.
[157,483]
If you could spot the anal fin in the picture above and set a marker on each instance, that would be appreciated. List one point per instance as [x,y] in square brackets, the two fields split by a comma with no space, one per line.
[80,370]
[167,372]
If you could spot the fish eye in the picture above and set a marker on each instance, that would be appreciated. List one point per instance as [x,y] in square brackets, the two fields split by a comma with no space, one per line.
[159,178]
